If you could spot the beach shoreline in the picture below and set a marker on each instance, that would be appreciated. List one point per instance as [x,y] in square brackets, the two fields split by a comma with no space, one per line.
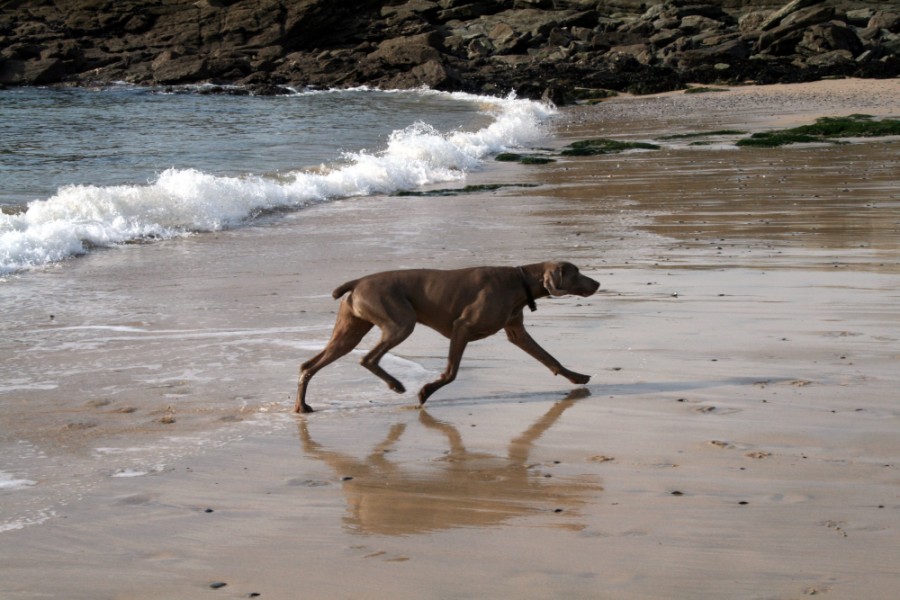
[737,440]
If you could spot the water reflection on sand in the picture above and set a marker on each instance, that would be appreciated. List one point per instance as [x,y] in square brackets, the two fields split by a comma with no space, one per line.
[465,488]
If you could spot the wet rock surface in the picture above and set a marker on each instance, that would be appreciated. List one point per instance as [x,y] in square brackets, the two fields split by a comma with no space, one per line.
[557,49]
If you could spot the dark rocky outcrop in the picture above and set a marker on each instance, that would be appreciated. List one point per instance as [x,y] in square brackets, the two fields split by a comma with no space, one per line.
[549,48]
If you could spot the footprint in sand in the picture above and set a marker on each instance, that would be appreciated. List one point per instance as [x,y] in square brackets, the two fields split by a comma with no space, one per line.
[721,444]
[758,454]
[715,410]
[601,458]
[837,526]
[300,482]
[381,553]
[816,591]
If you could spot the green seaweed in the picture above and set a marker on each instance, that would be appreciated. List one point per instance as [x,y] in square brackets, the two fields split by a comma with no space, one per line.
[536,160]
[469,189]
[525,159]
[851,126]
[604,146]
[826,129]
[704,90]
[681,136]
[774,139]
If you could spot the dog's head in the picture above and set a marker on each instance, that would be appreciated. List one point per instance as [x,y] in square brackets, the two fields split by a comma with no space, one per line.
[561,278]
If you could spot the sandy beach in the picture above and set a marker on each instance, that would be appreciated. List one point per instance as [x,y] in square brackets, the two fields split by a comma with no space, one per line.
[738,439]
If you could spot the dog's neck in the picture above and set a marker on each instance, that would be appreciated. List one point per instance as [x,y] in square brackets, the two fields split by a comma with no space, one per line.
[533,285]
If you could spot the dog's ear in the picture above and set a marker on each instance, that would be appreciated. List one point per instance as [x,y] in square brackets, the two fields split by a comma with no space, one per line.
[552,281]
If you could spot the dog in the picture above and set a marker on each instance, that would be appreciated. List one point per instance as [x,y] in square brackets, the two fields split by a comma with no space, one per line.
[464,305]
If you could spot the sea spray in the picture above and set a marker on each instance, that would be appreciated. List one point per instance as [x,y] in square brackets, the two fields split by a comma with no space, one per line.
[181,201]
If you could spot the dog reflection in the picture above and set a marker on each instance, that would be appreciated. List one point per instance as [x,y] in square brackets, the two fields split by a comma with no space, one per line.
[462,489]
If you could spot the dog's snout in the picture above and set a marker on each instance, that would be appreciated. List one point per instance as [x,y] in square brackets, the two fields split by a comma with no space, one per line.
[588,286]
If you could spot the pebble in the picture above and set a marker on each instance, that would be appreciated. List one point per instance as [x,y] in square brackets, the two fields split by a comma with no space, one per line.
[217,585]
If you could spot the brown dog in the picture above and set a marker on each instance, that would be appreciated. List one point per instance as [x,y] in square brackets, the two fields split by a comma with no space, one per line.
[464,305]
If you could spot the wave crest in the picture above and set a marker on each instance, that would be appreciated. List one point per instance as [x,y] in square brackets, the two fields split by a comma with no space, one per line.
[181,201]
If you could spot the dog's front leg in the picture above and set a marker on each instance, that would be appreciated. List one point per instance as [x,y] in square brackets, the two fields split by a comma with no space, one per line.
[458,341]
[516,334]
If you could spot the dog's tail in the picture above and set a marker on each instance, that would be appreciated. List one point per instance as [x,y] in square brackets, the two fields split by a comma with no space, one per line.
[343,289]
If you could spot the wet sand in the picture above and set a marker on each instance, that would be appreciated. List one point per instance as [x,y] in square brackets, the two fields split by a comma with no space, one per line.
[738,438]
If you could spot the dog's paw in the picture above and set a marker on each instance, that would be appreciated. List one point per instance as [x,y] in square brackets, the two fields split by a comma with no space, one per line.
[397,387]
[578,378]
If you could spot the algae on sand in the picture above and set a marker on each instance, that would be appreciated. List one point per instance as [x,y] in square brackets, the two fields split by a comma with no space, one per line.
[469,189]
[826,129]
[604,146]
[525,159]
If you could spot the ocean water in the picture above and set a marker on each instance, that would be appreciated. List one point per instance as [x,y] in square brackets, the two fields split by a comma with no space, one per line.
[83,169]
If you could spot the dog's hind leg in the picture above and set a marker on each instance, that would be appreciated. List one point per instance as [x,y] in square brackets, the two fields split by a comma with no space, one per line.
[349,330]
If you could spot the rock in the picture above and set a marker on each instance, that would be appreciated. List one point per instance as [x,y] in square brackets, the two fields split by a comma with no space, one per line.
[885,20]
[723,53]
[665,37]
[834,60]
[505,40]
[487,46]
[41,71]
[775,18]
[432,74]
[807,16]
[753,20]
[404,51]
[638,52]
[824,39]
[170,68]
[698,23]
[785,36]
[860,17]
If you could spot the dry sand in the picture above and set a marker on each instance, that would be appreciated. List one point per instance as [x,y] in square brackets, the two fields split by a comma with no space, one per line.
[739,438]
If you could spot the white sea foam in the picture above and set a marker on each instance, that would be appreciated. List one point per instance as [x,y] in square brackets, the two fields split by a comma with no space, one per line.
[181,201]
[10,482]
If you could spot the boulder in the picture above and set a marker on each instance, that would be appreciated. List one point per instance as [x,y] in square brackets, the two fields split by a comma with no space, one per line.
[860,17]
[828,37]
[506,40]
[432,74]
[404,51]
[775,18]
[170,68]
[753,20]
[783,38]
[885,20]
[724,53]
[834,60]
[696,23]
[40,71]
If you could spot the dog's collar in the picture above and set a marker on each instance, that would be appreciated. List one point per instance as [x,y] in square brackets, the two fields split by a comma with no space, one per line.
[528,295]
